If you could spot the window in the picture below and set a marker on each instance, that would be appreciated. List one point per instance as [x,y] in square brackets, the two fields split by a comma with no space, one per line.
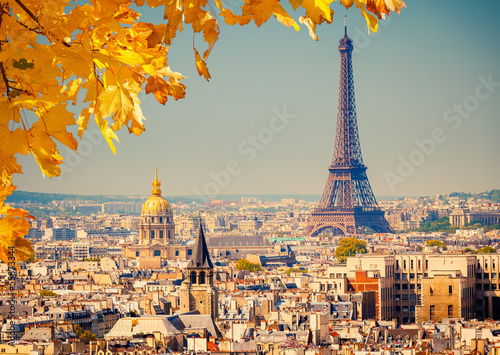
[161,219]
[136,254]
[397,286]
[432,313]
[176,253]
[486,275]
[412,286]
[397,264]
[411,264]
[161,234]
[419,264]
[397,276]
[190,251]
[479,275]
[426,264]
[405,286]
[202,278]
[404,264]
[157,253]
[168,234]
[405,297]
[413,297]
[152,234]
[431,291]
[412,276]
[450,311]
[486,286]
[450,289]
[193,277]
[405,309]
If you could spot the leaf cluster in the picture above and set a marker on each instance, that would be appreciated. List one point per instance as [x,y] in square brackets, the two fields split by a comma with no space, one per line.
[436,243]
[349,247]
[244,264]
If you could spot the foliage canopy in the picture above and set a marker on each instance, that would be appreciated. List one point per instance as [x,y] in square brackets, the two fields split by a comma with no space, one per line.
[349,247]
[244,264]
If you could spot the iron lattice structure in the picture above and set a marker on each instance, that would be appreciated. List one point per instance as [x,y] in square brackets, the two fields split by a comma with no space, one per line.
[347,202]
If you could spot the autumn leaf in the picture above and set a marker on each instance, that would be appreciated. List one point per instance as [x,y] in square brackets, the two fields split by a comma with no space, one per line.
[201,66]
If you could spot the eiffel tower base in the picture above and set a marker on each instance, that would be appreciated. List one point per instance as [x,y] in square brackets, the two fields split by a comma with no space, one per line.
[347,222]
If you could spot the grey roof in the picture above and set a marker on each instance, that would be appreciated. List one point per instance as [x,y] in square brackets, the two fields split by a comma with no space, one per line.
[238,241]
[200,257]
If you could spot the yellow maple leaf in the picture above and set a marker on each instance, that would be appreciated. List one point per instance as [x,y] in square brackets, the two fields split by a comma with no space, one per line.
[116,101]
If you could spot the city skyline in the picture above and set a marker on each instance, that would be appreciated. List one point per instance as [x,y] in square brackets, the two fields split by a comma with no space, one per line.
[426,96]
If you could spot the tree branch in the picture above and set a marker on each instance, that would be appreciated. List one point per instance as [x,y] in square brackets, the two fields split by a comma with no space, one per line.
[5,80]
[28,11]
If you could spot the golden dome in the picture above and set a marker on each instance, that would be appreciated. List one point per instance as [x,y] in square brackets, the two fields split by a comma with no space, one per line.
[156,204]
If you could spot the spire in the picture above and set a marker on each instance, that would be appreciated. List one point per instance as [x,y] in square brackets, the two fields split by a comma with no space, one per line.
[156,185]
[201,257]
[345,25]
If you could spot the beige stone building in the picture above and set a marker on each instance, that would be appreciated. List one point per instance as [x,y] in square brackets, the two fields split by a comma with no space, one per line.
[402,283]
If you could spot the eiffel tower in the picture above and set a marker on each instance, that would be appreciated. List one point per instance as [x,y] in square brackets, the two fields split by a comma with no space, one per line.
[347,204]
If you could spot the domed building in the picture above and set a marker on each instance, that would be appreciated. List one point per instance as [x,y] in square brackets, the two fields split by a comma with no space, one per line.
[157,241]
[157,220]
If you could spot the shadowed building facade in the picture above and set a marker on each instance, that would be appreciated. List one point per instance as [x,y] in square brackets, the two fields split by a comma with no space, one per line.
[197,291]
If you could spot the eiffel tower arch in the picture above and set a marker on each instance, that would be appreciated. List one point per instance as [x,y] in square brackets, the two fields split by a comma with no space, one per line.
[348,204]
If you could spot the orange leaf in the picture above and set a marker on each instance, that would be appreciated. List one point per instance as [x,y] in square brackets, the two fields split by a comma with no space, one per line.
[201,66]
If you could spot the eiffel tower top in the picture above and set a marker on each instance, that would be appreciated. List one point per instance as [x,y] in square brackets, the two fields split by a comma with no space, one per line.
[347,152]
[345,42]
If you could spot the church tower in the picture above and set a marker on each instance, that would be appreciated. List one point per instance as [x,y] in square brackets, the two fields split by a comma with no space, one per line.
[198,291]
[157,220]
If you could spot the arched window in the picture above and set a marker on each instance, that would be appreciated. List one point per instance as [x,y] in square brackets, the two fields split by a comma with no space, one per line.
[193,277]
[202,278]
[157,253]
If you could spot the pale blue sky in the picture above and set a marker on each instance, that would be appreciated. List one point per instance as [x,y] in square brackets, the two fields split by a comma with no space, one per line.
[407,77]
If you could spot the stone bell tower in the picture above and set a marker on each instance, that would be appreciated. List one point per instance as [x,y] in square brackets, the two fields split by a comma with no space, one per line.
[198,291]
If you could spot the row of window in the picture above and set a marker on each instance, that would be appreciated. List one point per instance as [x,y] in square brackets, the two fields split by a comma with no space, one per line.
[160,234]
[432,311]
[158,253]
[156,219]
[486,275]
[419,264]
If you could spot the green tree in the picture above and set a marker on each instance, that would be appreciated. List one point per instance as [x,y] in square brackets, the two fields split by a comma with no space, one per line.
[349,247]
[88,336]
[436,243]
[486,250]
[47,293]
[244,264]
